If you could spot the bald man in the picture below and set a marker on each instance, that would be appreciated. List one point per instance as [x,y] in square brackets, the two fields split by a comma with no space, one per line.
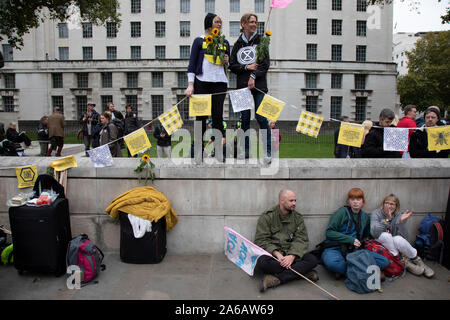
[281,231]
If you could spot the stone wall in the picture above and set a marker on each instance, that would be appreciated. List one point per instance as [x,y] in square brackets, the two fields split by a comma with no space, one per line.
[208,197]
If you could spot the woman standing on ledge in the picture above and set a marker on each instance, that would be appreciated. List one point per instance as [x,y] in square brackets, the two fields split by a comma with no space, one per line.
[206,76]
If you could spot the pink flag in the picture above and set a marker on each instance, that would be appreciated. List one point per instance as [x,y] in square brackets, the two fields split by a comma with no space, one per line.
[280,3]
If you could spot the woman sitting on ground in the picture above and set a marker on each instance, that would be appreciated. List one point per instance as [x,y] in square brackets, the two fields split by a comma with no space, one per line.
[388,226]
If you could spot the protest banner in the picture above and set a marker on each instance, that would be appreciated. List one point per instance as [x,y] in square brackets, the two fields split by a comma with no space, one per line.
[200,105]
[309,124]
[350,134]
[270,108]
[171,120]
[137,141]
[26,176]
[438,138]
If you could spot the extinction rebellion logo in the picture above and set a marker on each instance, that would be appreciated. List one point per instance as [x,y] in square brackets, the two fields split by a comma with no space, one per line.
[247,55]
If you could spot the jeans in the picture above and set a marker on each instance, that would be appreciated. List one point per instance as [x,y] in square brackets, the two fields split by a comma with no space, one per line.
[258,96]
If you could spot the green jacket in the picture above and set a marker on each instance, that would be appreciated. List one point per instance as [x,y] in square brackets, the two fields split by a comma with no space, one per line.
[289,236]
[339,221]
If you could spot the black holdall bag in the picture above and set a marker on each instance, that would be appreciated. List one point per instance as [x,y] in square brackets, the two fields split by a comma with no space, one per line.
[149,249]
[40,235]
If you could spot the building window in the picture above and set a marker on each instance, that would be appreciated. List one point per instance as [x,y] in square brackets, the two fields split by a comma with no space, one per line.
[132,101]
[360,109]
[157,79]
[360,81]
[82,80]
[185,6]
[361,53]
[260,28]
[157,106]
[8,104]
[63,31]
[311,4]
[10,80]
[361,5]
[160,6]
[182,79]
[111,30]
[336,80]
[235,6]
[135,29]
[311,26]
[63,53]
[160,52]
[132,80]
[135,6]
[183,107]
[185,28]
[106,79]
[210,6]
[336,5]
[336,27]
[7,52]
[336,107]
[311,103]
[105,101]
[361,28]
[311,51]
[259,6]
[235,28]
[135,52]
[87,29]
[87,53]
[160,29]
[58,101]
[111,53]
[336,52]
[185,52]
[311,80]
[81,102]
[57,80]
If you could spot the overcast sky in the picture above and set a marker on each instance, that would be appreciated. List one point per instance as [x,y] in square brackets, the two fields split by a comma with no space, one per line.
[426,18]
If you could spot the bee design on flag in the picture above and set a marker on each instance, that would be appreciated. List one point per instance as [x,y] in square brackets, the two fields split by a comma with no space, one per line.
[441,138]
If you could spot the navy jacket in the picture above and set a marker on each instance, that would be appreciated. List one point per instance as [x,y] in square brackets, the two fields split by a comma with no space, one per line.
[197,55]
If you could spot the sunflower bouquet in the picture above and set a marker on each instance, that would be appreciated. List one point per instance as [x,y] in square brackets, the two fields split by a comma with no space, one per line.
[262,49]
[215,46]
[147,166]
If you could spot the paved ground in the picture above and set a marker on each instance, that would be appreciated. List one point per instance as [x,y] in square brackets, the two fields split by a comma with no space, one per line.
[68,149]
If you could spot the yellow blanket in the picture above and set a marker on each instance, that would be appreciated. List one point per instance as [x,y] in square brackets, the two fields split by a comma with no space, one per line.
[146,203]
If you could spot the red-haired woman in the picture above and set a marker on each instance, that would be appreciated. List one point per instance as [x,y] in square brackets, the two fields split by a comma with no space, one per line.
[348,226]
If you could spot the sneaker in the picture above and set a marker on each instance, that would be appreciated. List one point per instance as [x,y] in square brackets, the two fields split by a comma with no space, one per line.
[428,272]
[269,281]
[413,266]
[312,275]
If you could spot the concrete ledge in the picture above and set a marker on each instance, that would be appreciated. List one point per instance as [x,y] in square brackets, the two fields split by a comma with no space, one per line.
[208,197]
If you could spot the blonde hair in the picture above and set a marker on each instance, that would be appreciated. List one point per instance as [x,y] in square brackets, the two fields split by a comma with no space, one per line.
[394,198]
[245,18]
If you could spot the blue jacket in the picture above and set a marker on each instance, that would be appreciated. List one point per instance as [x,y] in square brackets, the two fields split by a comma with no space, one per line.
[197,55]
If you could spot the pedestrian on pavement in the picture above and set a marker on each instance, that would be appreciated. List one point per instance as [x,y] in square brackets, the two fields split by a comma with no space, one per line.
[281,231]
[56,124]
[109,134]
[389,227]
[88,120]
[42,135]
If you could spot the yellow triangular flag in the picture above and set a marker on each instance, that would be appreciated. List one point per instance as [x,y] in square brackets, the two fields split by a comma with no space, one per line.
[351,134]
[137,141]
[171,120]
[26,176]
[309,123]
[200,105]
[270,108]
[438,138]
[64,163]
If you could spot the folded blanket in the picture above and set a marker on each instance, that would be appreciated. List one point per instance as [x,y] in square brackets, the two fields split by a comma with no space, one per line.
[146,203]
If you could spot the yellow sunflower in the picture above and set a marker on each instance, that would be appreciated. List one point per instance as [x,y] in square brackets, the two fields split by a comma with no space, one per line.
[145,158]
[268,33]
[209,39]
[215,32]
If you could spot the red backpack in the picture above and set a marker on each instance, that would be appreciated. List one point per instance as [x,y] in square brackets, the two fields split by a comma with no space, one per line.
[395,267]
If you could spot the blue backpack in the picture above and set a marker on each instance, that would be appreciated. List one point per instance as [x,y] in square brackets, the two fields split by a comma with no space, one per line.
[357,271]
[429,242]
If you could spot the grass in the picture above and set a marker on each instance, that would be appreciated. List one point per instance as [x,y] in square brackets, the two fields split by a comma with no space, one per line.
[299,146]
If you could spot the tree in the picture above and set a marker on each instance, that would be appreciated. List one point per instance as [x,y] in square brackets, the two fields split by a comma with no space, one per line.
[413,5]
[18,17]
[427,82]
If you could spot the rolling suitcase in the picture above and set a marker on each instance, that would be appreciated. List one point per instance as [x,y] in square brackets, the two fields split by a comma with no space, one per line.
[40,235]
[149,249]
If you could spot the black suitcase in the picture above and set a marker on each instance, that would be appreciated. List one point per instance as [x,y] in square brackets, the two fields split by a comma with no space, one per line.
[40,236]
[149,249]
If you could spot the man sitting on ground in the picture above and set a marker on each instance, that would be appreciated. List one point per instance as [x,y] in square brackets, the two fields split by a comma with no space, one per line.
[281,231]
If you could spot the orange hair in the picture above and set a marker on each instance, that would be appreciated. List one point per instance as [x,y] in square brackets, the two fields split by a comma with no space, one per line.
[356,193]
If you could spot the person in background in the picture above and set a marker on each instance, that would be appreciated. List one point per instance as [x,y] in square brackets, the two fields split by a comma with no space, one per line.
[164,141]
[341,150]
[408,121]
[109,134]
[275,136]
[13,136]
[130,122]
[42,135]
[56,124]
[88,120]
